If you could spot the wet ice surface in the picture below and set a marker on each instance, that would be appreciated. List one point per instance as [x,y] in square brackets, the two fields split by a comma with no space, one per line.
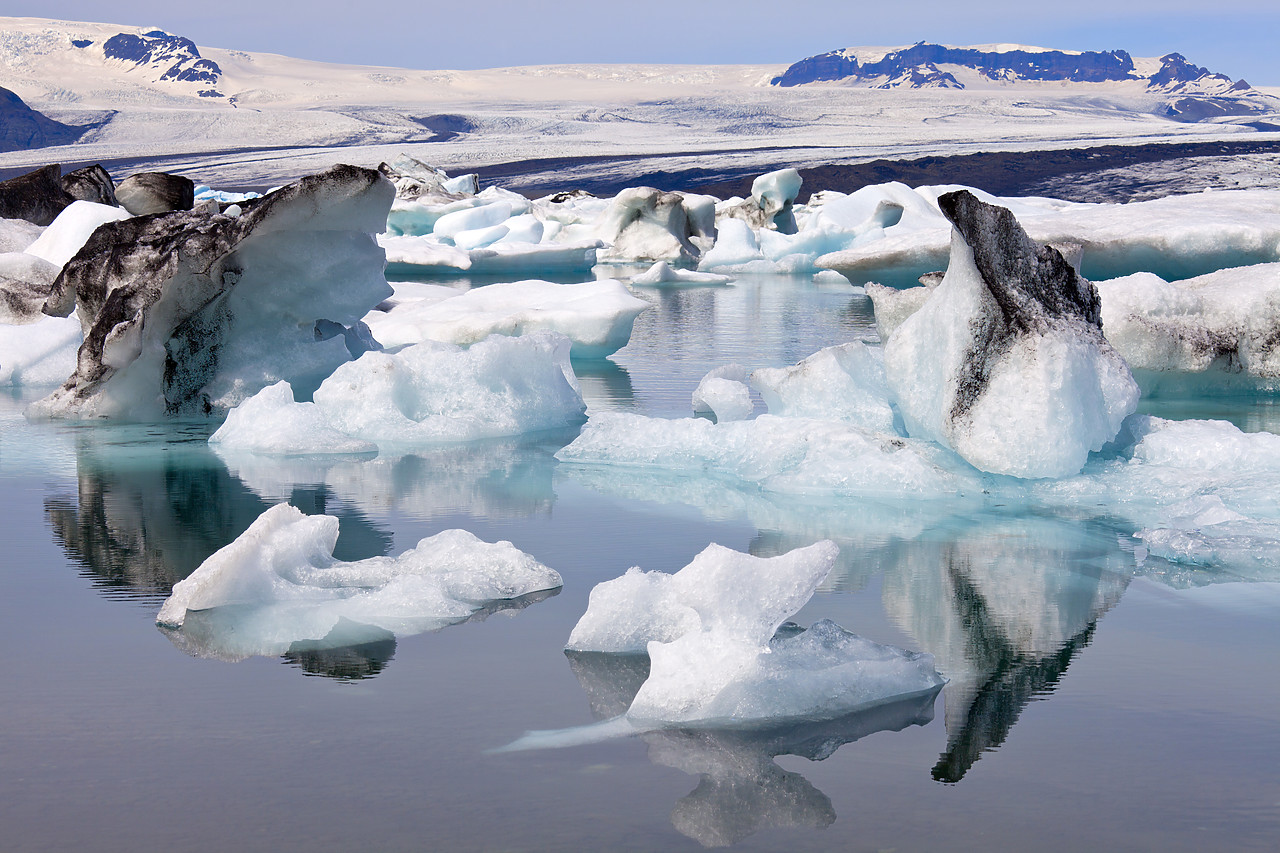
[1088,675]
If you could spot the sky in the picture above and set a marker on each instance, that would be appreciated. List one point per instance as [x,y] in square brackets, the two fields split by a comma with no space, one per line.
[1235,38]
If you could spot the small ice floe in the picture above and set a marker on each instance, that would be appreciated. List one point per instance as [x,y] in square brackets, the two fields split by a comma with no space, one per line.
[278,588]
[720,656]
[663,274]
[423,394]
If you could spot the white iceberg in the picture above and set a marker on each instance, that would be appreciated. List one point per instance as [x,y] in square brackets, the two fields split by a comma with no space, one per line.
[278,584]
[72,228]
[716,655]
[724,393]
[423,394]
[661,273]
[844,382]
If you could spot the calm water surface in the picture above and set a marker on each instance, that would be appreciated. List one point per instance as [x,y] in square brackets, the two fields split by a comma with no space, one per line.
[1096,700]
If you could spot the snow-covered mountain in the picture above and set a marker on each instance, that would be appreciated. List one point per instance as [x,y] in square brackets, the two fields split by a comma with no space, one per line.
[22,128]
[1191,93]
[140,98]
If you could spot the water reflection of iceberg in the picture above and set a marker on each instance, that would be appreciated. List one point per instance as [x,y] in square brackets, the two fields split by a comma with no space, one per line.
[741,789]
[1005,605]
[142,520]
[505,478]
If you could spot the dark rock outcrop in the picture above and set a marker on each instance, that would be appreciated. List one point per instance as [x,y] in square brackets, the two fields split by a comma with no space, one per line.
[175,57]
[156,192]
[923,58]
[188,313]
[36,196]
[91,183]
[22,128]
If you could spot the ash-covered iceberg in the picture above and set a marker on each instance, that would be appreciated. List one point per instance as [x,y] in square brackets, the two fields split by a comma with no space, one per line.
[278,585]
[424,394]
[1006,363]
[188,313]
[717,657]
[644,224]
[1228,321]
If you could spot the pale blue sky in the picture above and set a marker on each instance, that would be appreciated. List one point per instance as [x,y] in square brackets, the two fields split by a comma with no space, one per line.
[1236,38]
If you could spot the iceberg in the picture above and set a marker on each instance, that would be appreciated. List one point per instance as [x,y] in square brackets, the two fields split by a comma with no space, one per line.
[278,585]
[25,282]
[597,316]
[423,394]
[199,311]
[717,657]
[1006,363]
[72,228]
[1227,320]
[797,456]
[845,383]
[661,273]
[38,354]
[644,224]
[724,393]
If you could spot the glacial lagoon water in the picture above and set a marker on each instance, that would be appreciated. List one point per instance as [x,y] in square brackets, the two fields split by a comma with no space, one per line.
[1097,698]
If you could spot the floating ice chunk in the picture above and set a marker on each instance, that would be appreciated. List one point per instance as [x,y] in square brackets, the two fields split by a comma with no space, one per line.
[278,584]
[721,591]
[661,273]
[777,454]
[67,234]
[644,224]
[770,205]
[271,423]
[596,316]
[478,237]
[38,354]
[415,252]
[423,394]
[736,245]
[711,678]
[509,257]
[1005,362]
[845,383]
[525,228]
[417,217]
[724,393]
[450,225]
[196,312]
[1228,319]
[711,632]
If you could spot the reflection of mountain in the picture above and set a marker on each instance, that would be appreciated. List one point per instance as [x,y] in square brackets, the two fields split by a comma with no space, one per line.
[1005,606]
[741,789]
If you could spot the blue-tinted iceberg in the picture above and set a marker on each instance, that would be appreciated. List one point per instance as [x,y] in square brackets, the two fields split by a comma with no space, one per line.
[423,394]
[278,584]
